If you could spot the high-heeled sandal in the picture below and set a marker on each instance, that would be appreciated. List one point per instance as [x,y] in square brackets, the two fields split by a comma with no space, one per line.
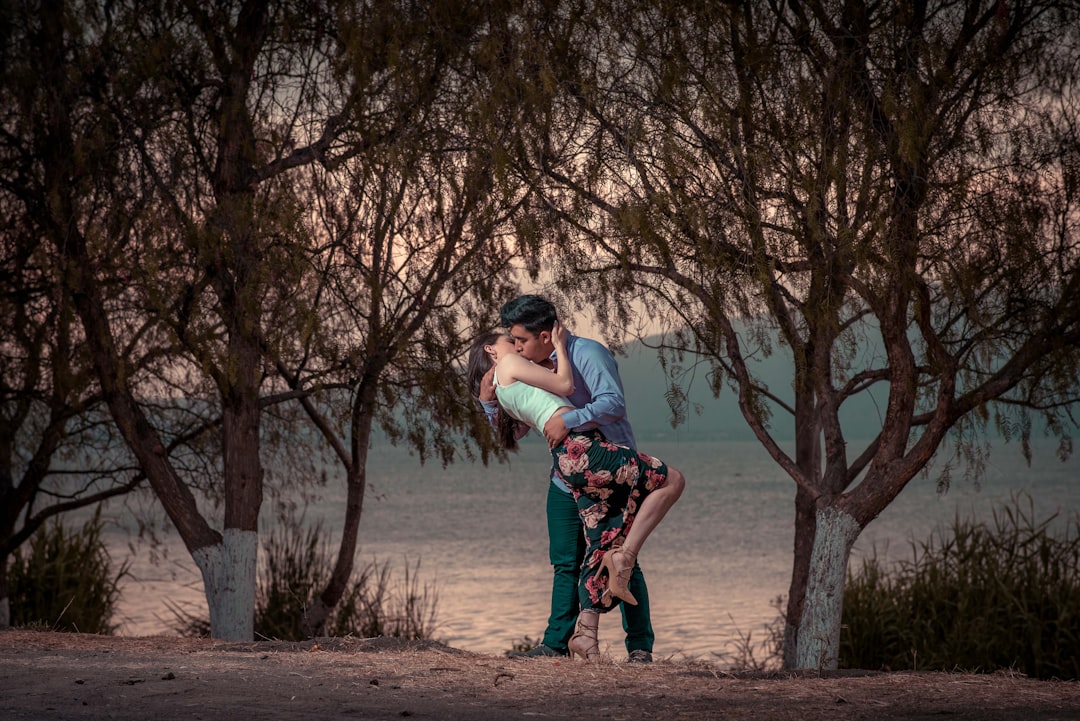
[584,642]
[619,576]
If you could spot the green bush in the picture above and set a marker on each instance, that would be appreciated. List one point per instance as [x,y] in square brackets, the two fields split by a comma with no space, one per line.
[981,598]
[66,581]
[296,566]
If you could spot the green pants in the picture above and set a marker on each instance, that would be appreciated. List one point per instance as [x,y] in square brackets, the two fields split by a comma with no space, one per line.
[566,549]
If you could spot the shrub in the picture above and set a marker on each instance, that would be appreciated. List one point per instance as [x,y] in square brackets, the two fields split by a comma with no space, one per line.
[764,654]
[66,581]
[982,598]
[296,566]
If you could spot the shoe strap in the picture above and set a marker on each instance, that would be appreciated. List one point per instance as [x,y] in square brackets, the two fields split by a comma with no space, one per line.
[585,627]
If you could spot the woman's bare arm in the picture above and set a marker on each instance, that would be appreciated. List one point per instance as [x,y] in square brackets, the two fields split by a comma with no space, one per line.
[516,368]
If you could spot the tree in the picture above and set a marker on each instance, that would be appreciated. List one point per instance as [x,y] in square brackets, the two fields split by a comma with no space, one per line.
[170,142]
[167,104]
[839,177]
[58,450]
[411,245]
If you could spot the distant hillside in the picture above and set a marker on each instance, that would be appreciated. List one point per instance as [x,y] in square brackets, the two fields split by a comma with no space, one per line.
[645,383]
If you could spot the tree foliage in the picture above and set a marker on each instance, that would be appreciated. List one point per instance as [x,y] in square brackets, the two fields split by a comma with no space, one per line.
[410,246]
[220,209]
[58,449]
[188,167]
[887,189]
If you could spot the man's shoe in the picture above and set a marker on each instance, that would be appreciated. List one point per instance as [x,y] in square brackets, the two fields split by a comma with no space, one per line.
[639,655]
[538,651]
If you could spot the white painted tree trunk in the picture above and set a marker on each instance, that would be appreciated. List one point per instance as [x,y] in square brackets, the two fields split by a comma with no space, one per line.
[228,572]
[819,630]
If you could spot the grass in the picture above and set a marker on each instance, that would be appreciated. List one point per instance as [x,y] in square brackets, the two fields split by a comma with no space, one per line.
[981,597]
[66,582]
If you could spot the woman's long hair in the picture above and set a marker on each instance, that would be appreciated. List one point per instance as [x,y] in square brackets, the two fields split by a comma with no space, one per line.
[480,362]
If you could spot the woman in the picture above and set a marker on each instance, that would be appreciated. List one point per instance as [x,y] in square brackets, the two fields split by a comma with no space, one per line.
[621,494]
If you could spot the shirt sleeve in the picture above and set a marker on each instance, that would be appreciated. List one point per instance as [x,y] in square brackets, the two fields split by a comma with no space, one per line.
[606,400]
[491,409]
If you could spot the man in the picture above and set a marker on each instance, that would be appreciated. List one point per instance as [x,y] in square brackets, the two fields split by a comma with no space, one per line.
[600,402]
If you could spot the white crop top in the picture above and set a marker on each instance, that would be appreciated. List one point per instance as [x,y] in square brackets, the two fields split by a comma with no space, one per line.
[529,404]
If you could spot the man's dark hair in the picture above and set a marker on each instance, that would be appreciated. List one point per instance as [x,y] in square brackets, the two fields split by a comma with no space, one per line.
[531,311]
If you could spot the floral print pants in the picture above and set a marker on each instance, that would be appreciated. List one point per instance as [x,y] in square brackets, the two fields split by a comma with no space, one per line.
[609,482]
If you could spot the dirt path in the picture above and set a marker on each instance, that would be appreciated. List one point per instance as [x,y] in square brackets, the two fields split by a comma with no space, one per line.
[70,676]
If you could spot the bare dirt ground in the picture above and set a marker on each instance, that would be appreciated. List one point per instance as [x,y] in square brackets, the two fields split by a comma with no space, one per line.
[71,676]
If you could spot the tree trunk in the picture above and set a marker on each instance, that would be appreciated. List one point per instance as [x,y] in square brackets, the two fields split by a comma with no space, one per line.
[230,574]
[805,525]
[819,628]
[808,459]
[314,621]
[228,571]
[5,594]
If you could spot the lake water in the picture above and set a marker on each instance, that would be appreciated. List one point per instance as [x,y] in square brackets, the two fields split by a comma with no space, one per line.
[713,566]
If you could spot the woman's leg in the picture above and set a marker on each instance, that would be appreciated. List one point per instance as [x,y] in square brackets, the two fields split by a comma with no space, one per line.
[653,509]
[620,562]
[584,642]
